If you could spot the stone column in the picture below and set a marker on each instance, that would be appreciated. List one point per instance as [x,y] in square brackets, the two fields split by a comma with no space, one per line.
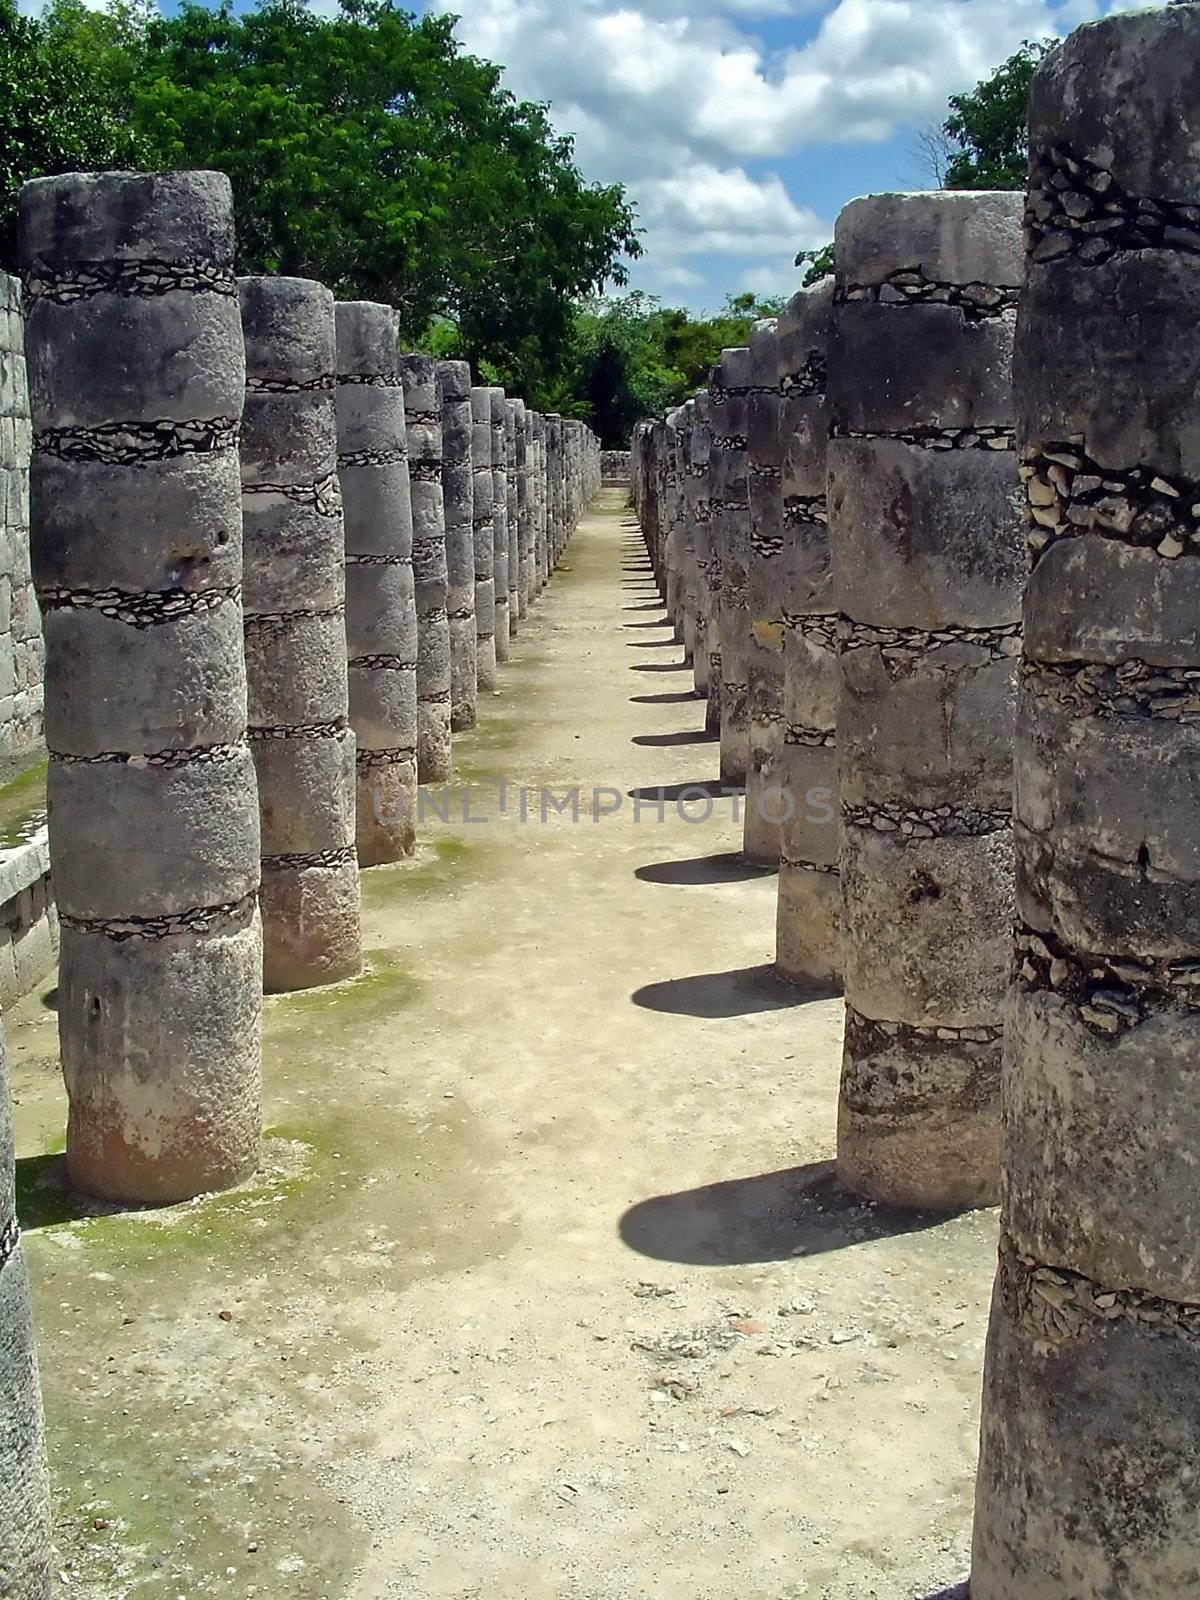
[293,597]
[928,569]
[554,439]
[731,505]
[137,377]
[1091,1405]
[423,414]
[700,519]
[24,1491]
[499,417]
[765,808]
[523,423]
[675,509]
[483,522]
[381,607]
[454,381]
[514,519]
[537,485]
[809,916]
[715,546]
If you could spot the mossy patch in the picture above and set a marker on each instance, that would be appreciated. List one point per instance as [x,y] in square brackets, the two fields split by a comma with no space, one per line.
[23,807]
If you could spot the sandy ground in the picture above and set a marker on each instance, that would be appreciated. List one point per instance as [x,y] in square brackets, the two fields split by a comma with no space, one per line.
[546,1288]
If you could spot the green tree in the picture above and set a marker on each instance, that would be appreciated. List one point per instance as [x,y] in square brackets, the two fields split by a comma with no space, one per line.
[64,98]
[986,129]
[370,152]
[818,264]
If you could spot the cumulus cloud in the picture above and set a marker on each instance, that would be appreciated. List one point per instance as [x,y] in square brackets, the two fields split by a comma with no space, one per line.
[696,106]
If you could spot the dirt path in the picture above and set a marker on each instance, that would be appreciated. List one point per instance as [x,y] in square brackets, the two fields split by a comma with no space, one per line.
[546,1289]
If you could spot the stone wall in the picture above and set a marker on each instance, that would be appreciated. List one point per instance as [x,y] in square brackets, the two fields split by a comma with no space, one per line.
[21,650]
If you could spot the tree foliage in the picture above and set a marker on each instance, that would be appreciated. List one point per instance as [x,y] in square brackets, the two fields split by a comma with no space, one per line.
[986,128]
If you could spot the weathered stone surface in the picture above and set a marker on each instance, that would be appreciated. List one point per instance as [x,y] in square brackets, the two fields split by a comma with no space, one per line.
[730,496]
[514,517]
[293,598]
[500,529]
[458,494]
[1089,1456]
[136,358]
[24,1491]
[483,519]
[381,611]
[927,572]
[21,649]
[762,837]
[423,416]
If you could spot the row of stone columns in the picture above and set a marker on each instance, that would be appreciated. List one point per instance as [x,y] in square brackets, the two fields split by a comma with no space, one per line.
[266,596]
[942,661]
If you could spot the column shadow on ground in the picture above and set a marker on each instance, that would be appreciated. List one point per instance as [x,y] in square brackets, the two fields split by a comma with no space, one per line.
[703,789]
[958,1591]
[651,644]
[741,992]
[666,741]
[802,1211]
[654,605]
[45,1198]
[727,868]
[651,622]
[660,666]
[670,699]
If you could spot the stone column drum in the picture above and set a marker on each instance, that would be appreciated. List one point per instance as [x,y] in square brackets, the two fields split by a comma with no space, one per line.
[423,414]
[731,504]
[381,607]
[928,569]
[514,519]
[700,518]
[24,1491]
[295,627]
[537,488]
[523,424]
[554,440]
[458,495]
[483,525]
[716,541]
[765,800]
[500,530]
[137,378]
[1091,1403]
[807,944]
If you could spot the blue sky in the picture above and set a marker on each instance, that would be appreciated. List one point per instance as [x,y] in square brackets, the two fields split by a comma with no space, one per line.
[741,127]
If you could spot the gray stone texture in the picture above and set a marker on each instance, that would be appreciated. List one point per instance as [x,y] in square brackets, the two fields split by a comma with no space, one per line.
[927,569]
[697,583]
[21,649]
[500,528]
[729,467]
[381,607]
[1090,1449]
[293,597]
[454,378]
[523,425]
[514,517]
[537,484]
[423,414]
[24,1488]
[807,946]
[483,522]
[765,808]
[137,381]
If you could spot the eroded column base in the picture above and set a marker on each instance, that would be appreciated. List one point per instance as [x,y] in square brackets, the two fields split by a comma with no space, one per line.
[1091,1443]
[808,926]
[386,827]
[919,1114]
[485,663]
[161,1054]
[464,673]
[434,764]
[311,925]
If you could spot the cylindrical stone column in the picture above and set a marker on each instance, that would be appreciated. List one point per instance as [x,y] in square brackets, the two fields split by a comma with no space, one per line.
[483,524]
[523,424]
[423,414]
[537,486]
[700,519]
[1091,1404]
[928,569]
[674,519]
[24,1491]
[293,598]
[381,607]
[514,519]
[554,440]
[807,946]
[500,530]
[731,506]
[137,379]
[458,495]
[765,808]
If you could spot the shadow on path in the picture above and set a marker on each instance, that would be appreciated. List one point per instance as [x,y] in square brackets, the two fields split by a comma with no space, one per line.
[703,789]
[729,868]
[768,1217]
[737,993]
[665,741]
[654,605]
[45,1198]
[665,699]
[651,644]
[652,623]
[660,666]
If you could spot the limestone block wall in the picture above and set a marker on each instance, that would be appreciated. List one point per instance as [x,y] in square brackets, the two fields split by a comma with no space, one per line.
[21,649]
[615,468]
[28,918]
